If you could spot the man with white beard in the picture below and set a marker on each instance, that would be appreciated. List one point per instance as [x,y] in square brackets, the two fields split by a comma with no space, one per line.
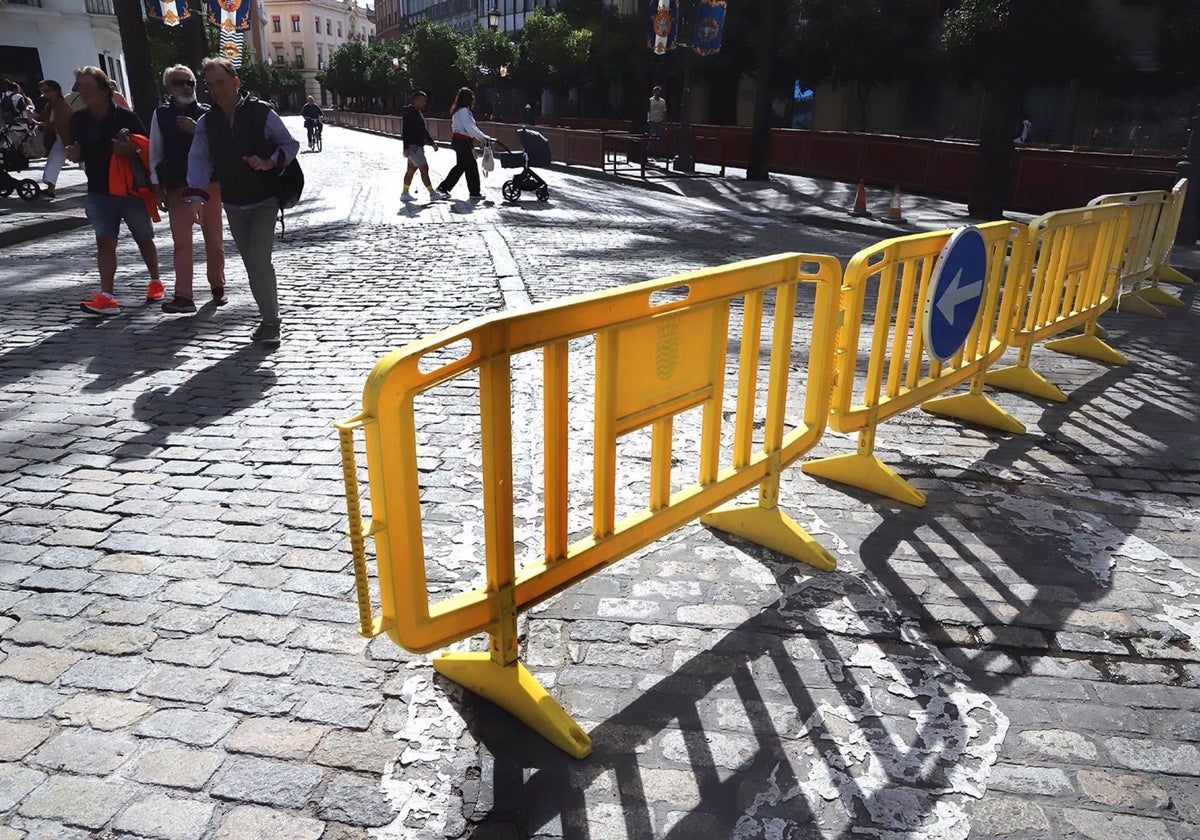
[171,134]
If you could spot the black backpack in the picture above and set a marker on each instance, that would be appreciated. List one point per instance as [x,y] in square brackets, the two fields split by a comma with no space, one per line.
[289,184]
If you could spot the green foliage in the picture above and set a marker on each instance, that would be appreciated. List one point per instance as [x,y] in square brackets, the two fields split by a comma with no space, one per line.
[347,70]
[552,53]
[387,71]
[432,56]
[1179,40]
[1043,41]
[481,53]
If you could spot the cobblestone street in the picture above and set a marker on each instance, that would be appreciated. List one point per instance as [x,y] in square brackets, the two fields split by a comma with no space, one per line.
[179,656]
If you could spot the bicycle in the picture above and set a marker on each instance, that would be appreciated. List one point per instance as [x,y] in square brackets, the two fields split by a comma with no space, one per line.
[314,137]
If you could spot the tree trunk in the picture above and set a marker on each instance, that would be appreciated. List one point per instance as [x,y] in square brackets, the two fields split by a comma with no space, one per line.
[194,44]
[136,46]
[759,166]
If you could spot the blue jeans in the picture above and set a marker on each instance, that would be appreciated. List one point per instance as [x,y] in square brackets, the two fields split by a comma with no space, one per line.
[107,211]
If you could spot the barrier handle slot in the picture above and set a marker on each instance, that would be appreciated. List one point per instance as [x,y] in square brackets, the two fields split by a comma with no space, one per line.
[366,622]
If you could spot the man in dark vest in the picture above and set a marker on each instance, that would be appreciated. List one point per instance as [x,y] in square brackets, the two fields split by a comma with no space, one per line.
[171,132]
[242,144]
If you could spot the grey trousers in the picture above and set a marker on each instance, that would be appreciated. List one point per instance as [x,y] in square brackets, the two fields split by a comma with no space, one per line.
[254,235]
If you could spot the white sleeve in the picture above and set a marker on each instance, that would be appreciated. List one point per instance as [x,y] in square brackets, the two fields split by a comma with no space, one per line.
[156,148]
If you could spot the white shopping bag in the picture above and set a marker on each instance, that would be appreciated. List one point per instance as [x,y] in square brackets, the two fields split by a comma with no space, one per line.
[489,162]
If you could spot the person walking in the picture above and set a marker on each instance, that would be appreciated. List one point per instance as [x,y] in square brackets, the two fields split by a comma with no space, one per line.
[55,122]
[98,132]
[242,144]
[313,115]
[171,131]
[414,135]
[656,115]
[463,134]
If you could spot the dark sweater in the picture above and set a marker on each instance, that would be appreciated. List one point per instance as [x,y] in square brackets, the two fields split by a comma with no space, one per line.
[414,131]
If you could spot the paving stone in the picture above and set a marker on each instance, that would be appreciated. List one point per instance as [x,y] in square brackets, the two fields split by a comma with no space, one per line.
[37,665]
[259,696]
[265,782]
[1155,757]
[166,818]
[250,658]
[192,685]
[16,783]
[115,641]
[101,712]
[52,633]
[351,711]
[366,752]
[123,612]
[250,822]
[86,752]
[1099,825]
[59,580]
[18,739]
[1122,790]
[191,727]
[42,604]
[326,638]
[78,801]
[336,671]
[274,738]
[358,800]
[107,673]
[175,766]
[1007,817]
[199,652]
[260,601]
[199,593]
[23,701]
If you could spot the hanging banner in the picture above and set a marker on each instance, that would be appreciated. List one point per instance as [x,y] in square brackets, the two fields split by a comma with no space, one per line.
[229,15]
[664,26]
[170,12]
[710,26]
[232,43]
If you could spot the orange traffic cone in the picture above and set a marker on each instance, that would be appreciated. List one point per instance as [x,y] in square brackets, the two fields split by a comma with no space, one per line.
[895,213]
[860,201]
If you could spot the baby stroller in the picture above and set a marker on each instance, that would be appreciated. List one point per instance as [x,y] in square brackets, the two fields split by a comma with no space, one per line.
[537,152]
[16,147]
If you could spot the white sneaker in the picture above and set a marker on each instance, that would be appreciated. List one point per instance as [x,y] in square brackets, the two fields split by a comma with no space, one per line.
[438,195]
[406,196]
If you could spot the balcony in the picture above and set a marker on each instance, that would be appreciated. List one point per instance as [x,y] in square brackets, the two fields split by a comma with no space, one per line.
[97,7]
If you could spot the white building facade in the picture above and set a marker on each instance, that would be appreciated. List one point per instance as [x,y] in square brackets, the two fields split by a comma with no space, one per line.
[48,39]
[303,34]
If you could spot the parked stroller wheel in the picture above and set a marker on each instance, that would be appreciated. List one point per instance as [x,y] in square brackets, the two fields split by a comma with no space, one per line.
[510,191]
[28,189]
[543,194]
[5,192]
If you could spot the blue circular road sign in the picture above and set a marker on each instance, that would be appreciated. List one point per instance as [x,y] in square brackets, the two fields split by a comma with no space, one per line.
[956,289]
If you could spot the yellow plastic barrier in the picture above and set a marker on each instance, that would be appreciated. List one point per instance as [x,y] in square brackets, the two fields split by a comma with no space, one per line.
[1074,259]
[1164,241]
[653,361]
[898,374]
[1137,264]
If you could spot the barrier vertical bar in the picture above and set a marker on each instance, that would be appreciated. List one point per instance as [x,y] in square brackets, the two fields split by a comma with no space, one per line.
[554,366]
[604,467]
[710,434]
[660,463]
[743,433]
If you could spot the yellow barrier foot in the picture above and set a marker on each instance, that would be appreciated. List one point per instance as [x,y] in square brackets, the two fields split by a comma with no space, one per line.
[1134,304]
[975,408]
[1158,297]
[867,472]
[1023,380]
[1089,347]
[1166,274]
[772,528]
[514,689]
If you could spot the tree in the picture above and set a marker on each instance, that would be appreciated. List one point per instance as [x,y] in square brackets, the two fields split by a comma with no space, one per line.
[552,54]
[481,54]
[387,72]
[862,44]
[169,43]
[347,71]
[1008,45]
[142,84]
[432,53]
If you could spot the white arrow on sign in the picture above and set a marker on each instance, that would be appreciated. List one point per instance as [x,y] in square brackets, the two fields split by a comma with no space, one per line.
[957,293]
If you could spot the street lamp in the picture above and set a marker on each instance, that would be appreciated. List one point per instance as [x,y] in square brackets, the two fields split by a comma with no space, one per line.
[493,18]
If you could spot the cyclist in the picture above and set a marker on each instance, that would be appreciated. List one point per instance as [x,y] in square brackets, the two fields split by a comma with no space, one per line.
[313,117]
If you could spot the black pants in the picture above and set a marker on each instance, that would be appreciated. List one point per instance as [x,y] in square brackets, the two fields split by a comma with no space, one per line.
[464,150]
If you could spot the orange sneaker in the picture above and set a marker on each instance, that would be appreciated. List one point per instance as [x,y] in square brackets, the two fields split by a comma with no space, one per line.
[155,290]
[100,304]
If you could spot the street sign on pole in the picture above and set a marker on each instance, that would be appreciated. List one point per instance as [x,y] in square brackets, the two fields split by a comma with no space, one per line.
[956,289]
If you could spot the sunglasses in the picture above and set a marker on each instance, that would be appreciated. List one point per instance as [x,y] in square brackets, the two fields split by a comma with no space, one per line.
[182,83]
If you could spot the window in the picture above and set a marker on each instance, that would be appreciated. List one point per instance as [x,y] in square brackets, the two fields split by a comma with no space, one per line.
[299,65]
[275,25]
[339,29]
[328,26]
[320,59]
[279,59]
[295,23]
[318,19]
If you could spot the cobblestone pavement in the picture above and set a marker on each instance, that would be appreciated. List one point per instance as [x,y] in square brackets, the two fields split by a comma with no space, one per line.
[178,655]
